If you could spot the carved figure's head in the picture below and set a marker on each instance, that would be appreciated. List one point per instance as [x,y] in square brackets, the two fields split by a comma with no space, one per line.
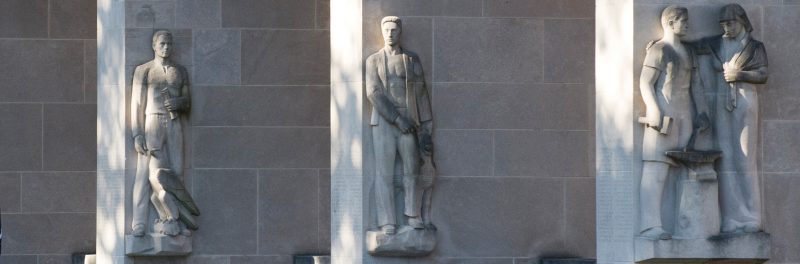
[162,43]
[733,20]
[391,27]
[675,20]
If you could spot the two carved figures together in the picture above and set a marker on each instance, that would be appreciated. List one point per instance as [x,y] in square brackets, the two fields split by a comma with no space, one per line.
[703,94]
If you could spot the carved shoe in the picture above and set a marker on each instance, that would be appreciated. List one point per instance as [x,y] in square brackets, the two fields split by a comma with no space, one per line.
[416,223]
[655,233]
[751,228]
[388,230]
[138,230]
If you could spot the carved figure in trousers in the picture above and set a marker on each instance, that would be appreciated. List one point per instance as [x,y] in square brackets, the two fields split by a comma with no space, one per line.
[666,88]
[739,63]
[159,100]
[401,124]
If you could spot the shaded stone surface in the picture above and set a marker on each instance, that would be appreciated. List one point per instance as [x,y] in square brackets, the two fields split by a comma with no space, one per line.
[70,137]
[21,137]
[24,61]
[23,19]
[157,245]
[407,242]
[297,57]
[73,19]
[229,222]
[56,192]
[288,14]
[743,248]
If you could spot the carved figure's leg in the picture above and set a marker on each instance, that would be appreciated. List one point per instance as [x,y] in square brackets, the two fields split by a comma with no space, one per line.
[409,153]
[141,193]
[385,147]
[654,175]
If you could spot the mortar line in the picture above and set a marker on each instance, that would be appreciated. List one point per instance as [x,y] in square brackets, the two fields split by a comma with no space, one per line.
[42,141]
[258,213]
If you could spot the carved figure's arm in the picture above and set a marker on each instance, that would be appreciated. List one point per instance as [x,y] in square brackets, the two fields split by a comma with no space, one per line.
[757,76]
[647,82]
[138,105]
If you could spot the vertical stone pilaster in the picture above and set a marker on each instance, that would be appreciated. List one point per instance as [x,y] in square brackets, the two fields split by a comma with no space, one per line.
[348,192]
[111,132]
[616,181]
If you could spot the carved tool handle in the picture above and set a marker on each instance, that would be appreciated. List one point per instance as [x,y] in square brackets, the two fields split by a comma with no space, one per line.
[665,124]
[167,96]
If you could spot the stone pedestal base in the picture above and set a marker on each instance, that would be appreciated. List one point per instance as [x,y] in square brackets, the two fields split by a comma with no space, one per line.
[408,242]
[157,245]
[739,248]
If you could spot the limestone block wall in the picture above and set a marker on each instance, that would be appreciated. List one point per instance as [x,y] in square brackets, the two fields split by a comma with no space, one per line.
[512,92]
[258,135]
[47,129]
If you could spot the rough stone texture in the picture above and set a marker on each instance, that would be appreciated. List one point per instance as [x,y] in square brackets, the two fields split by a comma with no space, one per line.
[781,215]
[278,14]
[217,55]
[260,147]
[228,222]
[261,106]
[24,61]
[50,233]
[69,134]
[464,152]
[288,211]
[56,192]
[540,8]
[68,20]
[23,19]
[198,13]
[561,153]
[462,59]
[9,192]
[297,57]
[567,60]
[511,106]
[21,137]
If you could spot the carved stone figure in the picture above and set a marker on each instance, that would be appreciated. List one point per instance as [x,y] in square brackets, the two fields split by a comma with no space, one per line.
[740,62]
[666,88]
[159,100]
[401,124]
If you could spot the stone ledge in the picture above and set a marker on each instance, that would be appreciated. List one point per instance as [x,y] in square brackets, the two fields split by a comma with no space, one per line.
[157,245]
[743,248]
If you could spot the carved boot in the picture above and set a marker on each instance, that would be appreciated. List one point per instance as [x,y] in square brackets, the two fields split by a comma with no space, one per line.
[655,233]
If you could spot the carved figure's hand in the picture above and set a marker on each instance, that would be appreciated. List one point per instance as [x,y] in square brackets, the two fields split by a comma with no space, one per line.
[426,144]
[731,72]
[654,117]
[404,125]
[702,122]
[138,144]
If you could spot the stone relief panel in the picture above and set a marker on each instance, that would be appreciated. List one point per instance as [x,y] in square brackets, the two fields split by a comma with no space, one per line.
[401,125]
[701,130]
[159,102]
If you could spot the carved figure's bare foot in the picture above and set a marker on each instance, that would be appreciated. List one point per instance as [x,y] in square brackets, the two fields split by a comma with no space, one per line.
[416,223]
[138,230]
[389,229]
[655,233]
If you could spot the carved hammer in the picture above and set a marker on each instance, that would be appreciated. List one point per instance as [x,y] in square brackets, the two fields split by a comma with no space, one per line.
[665,124]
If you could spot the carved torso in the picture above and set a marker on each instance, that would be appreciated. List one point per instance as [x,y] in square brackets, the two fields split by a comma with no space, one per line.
[396,79]
[160,78]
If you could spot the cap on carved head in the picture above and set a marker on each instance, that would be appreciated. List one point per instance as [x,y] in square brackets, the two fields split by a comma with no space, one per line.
[735,12]
[394,19]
